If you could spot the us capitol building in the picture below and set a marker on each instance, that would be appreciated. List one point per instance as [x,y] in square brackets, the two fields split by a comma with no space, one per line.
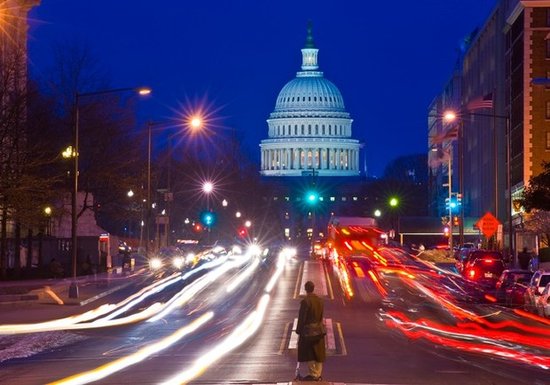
[310,130]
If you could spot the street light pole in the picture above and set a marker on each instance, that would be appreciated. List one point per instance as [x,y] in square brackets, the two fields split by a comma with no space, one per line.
[508,170]
[450,189]
[148,211]
[73,288]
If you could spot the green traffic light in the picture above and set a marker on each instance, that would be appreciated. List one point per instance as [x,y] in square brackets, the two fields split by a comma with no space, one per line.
[312,197]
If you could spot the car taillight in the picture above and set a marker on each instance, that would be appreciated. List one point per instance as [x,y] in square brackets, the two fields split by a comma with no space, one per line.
[488,260]
[471,273]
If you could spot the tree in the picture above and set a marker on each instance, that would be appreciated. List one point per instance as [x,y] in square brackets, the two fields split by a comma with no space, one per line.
[538,222]
[536,202]
[110,156]
[537,194]
[24,188]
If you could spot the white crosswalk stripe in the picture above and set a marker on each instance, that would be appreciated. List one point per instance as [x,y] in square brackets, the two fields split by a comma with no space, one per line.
[330,340]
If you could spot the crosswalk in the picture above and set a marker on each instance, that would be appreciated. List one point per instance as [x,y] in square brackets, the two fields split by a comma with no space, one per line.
[330,340]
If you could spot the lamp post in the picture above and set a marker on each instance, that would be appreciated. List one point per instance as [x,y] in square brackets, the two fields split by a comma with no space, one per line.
[195,122]
[451,116]
[73,288]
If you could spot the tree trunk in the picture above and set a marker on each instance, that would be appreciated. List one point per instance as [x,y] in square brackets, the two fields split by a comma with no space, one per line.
[28,262]
[4,242]
[17,251]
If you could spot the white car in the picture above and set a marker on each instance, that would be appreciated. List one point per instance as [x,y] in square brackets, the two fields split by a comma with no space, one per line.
[543,302]
[536,286]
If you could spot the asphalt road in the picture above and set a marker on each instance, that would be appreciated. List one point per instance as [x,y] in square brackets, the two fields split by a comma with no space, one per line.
[386,327]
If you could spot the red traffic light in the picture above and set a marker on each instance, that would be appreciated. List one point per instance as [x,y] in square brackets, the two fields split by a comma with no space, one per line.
[243,232]
[197,228]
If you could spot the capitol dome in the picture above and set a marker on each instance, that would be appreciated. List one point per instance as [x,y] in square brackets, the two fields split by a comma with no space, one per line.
[309,129]
[309,92]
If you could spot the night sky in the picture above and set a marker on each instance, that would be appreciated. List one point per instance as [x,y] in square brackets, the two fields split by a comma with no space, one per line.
[388,58]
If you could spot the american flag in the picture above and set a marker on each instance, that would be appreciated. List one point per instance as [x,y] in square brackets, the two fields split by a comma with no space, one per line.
[450,134]
[480,102]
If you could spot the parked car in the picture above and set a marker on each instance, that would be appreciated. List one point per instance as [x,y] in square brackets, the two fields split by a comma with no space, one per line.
[515,295]
[536,286]
[542,303]
[485,271]
[510,284]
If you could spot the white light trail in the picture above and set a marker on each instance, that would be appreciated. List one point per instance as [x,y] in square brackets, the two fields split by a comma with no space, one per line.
[132,359]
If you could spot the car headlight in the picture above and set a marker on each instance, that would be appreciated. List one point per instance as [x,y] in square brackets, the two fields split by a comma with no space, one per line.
[155,263]
[177,262]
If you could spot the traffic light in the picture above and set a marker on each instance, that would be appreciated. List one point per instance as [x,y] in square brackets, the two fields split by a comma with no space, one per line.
[208,218]
[453,203]
[243,232]
[312,197]
[446,231]
[456,220]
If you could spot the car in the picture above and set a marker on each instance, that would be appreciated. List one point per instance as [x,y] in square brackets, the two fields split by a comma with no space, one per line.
[536,286]
[474,254]
[485,271]
[542,303]
[515,295]
[509,284]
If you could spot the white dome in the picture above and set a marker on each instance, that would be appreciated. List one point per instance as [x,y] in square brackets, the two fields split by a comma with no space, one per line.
[310,93]
[309,129]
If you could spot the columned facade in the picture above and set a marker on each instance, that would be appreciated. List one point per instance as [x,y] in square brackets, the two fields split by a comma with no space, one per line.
[310,128]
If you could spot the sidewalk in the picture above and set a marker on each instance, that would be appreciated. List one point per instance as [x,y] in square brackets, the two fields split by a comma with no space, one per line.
[51,300]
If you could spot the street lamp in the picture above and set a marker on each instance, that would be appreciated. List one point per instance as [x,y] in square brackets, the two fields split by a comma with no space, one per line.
[195,122]
[73,288]
[451,116]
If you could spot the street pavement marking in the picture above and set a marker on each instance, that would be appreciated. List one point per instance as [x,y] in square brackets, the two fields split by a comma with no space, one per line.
[314,271]
[330,341]
[298,279]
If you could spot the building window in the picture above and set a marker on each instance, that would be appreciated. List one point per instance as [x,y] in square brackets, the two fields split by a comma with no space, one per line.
[548,110]
[548,17]
[548,140]
[309,129]
[547,48]
[323,127]
[316,129]
[296,129]
[302,129]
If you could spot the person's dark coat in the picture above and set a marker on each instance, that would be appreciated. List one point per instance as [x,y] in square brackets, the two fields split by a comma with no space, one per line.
[524,258]
[311,311]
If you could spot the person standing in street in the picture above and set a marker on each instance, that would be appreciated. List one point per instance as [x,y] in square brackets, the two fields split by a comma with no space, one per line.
[311,332]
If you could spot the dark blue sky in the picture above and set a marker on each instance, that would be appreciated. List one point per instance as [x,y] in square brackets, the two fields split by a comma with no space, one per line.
[388,58]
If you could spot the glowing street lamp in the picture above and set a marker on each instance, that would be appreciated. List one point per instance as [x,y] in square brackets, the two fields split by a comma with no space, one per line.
[208,187]
[195,123]
[377,213]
